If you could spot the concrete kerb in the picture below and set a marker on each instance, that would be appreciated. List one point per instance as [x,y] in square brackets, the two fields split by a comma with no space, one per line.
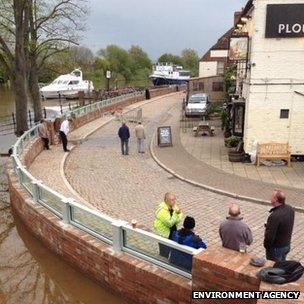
[84,138]
[206,187]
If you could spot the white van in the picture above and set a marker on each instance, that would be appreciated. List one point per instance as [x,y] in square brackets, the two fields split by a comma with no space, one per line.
[197,105]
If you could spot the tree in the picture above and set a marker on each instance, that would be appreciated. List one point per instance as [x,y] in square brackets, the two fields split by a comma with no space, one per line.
[13,47]
[170,58]
[82,56]
[191,61]
[119,60]
[140,58]
[31,32]
[53,27]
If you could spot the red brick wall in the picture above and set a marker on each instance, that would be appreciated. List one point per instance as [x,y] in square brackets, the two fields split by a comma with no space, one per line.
[88,117]
[223,269]
[130,277]
[162,91]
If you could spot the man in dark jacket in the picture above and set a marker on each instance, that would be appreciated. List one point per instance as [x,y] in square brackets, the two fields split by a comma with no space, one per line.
[124,135]
[234,232]
[279,228]
[185,236]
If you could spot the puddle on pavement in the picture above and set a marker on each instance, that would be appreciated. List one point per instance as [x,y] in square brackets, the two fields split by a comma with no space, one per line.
[31,274]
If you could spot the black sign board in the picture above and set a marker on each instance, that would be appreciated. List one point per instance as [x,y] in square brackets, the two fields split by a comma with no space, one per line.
[284,20]
[164,136]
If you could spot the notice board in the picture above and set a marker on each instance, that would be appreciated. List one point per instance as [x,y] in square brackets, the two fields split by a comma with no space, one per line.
[164,136]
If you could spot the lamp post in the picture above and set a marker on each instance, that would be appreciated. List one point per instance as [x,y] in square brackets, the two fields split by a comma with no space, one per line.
[108,76]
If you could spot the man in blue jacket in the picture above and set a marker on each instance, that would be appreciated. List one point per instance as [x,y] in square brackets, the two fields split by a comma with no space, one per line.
[124,135]
[185,236]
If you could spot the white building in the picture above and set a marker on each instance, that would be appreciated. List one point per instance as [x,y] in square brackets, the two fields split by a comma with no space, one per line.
[273,87]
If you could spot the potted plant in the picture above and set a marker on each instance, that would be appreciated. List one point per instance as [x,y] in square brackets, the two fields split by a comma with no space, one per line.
[237,154]
[232,141]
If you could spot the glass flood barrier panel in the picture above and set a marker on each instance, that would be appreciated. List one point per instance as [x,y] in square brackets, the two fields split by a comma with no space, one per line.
[26,181]
[94,223]
[51,200]
[147,246]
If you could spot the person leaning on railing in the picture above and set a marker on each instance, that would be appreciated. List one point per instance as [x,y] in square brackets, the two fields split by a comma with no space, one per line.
[43,133]
[167,217]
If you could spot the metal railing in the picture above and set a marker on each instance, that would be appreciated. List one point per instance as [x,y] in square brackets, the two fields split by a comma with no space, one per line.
[117,233]
[100,104]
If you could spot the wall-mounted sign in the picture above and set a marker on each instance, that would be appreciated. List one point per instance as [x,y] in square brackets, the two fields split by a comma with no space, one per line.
[238,48]
[164,136]
[284,20]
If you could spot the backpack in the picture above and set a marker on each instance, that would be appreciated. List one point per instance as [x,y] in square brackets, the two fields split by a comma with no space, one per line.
[282,272]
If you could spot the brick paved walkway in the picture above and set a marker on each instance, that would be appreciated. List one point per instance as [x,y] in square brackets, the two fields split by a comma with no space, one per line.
[212,151]
[129,187]
[189,167]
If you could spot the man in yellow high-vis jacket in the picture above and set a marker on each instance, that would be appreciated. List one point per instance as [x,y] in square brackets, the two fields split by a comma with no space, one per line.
[167,217]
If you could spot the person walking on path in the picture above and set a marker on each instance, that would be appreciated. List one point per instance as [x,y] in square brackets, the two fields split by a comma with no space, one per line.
[185,236]
[234,233]
[43,133]
[140,136]
[63,132]
[278,230]
[124,135]
[167,217]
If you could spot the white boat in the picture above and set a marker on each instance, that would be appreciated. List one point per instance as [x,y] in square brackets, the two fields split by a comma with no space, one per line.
[166,73]
[67,86]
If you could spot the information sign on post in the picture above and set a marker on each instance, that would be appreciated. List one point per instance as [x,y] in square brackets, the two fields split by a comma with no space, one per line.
[108,74]
[164,136]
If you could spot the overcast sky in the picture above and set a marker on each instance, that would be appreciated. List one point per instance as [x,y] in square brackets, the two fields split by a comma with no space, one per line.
[159,26]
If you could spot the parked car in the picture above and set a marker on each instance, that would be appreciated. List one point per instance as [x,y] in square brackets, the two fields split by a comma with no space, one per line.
[197,105]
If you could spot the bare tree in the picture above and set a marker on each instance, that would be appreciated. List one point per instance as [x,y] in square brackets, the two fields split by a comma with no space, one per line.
[32,31]
[53,27]
[13,27]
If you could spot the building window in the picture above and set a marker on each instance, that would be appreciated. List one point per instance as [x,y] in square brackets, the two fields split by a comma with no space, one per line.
[217,86]
[220,68]
[284,113]
[201,86]
[195,86]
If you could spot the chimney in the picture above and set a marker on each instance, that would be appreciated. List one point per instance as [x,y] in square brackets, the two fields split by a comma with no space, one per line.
[237,16]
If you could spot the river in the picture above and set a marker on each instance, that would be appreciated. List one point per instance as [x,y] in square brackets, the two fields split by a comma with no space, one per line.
[31,274]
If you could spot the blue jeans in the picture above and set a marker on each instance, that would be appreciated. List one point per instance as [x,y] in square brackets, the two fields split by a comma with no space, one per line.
[277,254]
[125,147]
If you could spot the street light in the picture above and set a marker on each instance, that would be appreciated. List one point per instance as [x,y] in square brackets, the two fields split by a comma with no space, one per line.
[108,76]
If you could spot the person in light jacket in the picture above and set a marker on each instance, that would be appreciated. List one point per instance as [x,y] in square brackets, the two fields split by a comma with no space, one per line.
[63,132]
[43,133]
[140,136]
[234,231]
[167,217]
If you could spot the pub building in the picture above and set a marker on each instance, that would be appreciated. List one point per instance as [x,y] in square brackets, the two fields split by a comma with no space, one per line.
[267,47]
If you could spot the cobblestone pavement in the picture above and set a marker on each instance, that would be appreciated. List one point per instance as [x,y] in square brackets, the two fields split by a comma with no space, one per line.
[4,195]
[129,187]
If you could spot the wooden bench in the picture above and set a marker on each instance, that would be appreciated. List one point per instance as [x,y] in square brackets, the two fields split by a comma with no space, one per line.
[203,129]
[269,151]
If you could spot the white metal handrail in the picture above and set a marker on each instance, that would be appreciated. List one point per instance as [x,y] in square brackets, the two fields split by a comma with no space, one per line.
[102,103]
[67,205]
